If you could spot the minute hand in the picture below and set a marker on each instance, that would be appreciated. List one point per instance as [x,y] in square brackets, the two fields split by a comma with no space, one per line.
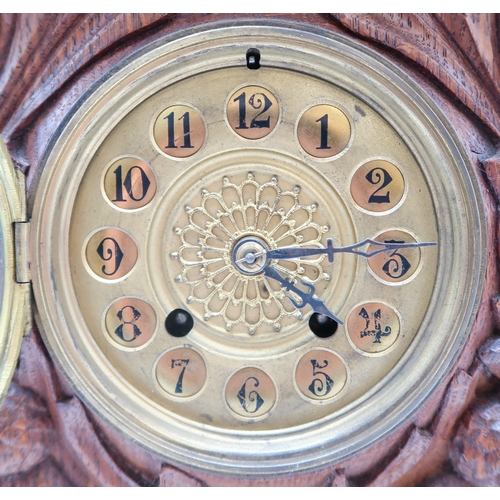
[288,253]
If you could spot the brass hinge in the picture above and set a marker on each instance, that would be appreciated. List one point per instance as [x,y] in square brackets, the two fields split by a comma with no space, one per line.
[21,242]
[21,234]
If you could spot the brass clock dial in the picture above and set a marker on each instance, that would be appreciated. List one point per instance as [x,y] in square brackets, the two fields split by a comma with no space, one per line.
[252,268]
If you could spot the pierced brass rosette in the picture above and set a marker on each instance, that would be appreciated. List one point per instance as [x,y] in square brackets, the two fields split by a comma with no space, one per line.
[264,211]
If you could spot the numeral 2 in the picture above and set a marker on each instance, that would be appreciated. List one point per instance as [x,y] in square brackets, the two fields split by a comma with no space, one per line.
[374,177]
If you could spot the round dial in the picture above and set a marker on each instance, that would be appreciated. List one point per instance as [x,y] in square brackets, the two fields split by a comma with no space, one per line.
[257,263]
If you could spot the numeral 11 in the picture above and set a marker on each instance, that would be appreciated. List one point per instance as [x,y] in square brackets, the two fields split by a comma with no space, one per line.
[186,132]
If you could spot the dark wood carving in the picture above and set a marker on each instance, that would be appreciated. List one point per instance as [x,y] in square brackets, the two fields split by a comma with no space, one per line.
[48,437]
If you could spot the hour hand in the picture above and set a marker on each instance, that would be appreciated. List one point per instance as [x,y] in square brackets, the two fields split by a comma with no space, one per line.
[317,305]
[289,253]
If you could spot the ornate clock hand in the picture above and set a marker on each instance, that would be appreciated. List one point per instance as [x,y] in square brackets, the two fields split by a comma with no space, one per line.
[288,253]
[250,256]
[316,304]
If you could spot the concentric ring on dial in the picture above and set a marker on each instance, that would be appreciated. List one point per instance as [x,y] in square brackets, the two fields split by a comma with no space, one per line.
[197,256]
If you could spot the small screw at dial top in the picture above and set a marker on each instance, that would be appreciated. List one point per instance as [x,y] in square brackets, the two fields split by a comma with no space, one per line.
[253,59]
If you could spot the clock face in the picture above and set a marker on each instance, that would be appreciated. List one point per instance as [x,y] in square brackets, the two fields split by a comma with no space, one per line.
[276,263]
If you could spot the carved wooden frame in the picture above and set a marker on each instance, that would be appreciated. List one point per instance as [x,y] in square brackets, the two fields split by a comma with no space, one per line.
[47,437]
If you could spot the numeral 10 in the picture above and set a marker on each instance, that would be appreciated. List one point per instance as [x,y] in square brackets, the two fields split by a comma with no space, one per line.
[129,183]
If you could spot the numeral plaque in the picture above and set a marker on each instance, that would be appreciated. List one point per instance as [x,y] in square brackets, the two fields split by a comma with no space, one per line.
[179,131]
[250,393]
[181,372]
[323,131]
[397,265]
[129,183]
[130,322]
[111,253]
[253,112]
[377,186]
[320,375]
[373,327]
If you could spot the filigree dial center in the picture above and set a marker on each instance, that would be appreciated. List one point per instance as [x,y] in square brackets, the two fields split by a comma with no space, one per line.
[249,255]
[226,235]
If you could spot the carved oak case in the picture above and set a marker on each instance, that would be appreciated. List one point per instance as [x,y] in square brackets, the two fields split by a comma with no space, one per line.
[249,250]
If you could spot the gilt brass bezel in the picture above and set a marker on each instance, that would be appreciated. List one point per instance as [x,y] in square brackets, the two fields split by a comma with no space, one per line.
[462,248]
[14,297]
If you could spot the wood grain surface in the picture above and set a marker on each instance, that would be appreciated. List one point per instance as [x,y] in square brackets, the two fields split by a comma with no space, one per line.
[49,438]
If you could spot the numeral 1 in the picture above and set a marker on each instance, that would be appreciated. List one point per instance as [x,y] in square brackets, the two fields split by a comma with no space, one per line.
[327,125]
[323,141]
[242,111]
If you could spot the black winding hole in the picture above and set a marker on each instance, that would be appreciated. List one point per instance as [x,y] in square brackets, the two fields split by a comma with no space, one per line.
[253,59]
[179,323]
[322,326]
